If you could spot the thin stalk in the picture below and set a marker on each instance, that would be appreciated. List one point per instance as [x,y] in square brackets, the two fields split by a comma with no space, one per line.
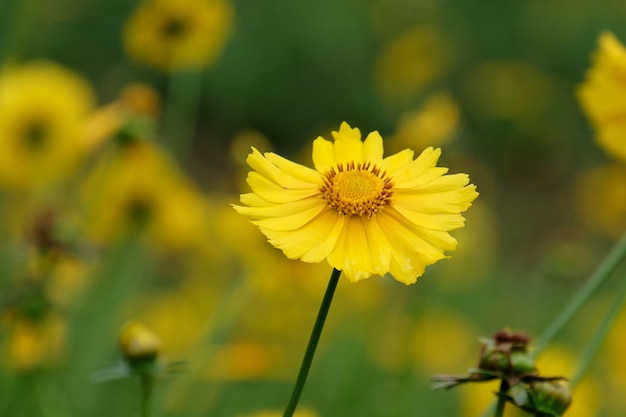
[504,387]
[313,339]
[181,111]
[147,387]
[594,344]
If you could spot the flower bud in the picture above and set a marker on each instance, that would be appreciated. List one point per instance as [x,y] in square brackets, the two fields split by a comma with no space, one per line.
[550,397]
[507,355]
[138,343]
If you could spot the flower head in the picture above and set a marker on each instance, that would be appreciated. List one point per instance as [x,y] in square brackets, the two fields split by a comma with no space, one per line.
[365,214]
[176,34]
[42,110]
[602,95]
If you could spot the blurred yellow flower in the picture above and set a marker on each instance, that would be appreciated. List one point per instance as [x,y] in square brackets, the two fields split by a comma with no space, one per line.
[434,124]
[138,189]
[449,345]
[603,186]
[30,344]
[42,109]
[410,62]
[601,95]
[511,90]
[178,34]
[366,215]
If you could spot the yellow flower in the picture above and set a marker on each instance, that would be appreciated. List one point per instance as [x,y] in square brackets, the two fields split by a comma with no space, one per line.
[434,124]
[31,344]
[139,189]
[177,34]
[602,95]
[42,108]
[364,213]
[410,62]
[603,186]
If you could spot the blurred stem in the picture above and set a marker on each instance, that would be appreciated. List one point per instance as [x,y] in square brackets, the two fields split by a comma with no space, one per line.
[602,272]
[594,344]
[315,337]
[181,111]
[504,387]
[147,387]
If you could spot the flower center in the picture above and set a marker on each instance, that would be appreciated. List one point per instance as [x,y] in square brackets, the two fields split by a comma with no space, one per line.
[174,28]
[360,189]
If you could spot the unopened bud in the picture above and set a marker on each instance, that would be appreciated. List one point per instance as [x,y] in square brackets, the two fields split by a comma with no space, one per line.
[549,397]
[138,343]
[507,355]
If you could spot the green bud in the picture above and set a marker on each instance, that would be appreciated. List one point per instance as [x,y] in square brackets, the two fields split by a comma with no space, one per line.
[506,356]
[551,398]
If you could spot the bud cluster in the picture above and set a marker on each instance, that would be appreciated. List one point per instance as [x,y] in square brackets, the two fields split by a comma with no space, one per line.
[506,356]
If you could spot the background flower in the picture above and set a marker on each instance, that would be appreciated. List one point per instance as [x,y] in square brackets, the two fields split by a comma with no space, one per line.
[601,95]
[178,34]
[42,110]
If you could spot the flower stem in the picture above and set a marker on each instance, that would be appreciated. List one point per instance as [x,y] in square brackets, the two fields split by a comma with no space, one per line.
[147,385]
[314,338]
[504,387]
[181,111]
[594,344]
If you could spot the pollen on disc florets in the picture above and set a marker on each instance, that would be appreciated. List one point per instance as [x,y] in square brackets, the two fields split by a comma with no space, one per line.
[356,188]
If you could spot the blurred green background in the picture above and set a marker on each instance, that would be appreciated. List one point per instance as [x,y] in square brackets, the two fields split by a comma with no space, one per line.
[491,82]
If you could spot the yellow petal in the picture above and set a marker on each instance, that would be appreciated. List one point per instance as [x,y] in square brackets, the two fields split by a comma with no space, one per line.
[293,217]
[253,200]
[411,173]
[320,251]
[451,201]
[433,221]
[348,146]
[314,237]
[273,193]
[260,164]
[396,161]
[281,210]
[433,181]
[352,255]
[373,148]
[410,252]
[297,171]
[323,155]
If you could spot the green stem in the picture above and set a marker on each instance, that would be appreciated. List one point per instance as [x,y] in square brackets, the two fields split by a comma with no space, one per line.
[314,338]
[602,272]
[592,348]
[147,385]
[504,387]
[181,111]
